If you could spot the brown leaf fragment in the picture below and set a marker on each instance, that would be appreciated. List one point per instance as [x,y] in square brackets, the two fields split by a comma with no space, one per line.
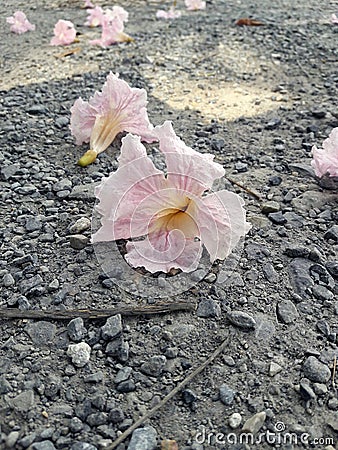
[168,444]
[68,52]
[245,21]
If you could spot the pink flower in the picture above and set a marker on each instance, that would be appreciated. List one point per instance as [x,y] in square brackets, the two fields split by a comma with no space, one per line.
[64,33]
[88,4]
[325,160]
[95,17]
[334,19]
[170,14]
[19,23]
[170,215]
[194,5]
[117,108]
[112,33]
[117,12]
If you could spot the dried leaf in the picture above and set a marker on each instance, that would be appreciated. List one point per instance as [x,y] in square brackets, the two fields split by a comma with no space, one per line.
[68,52]
[249,22]
[168,444]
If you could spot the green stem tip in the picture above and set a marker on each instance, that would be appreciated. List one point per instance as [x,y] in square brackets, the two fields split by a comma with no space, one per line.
[88,158]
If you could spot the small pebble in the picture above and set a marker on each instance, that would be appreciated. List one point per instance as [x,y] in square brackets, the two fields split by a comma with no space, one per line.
[315,370]
[241,319]
[235,420]
[79,353]
[254,423]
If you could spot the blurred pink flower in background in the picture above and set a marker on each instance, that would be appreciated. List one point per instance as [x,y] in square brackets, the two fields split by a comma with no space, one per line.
[174,213]
[95,17]
[194,5]
[112,33]
[117,108]
[88,4]
[64,33]
[117,12]
[334,19]
[170,14]
[19,23]
[325,160]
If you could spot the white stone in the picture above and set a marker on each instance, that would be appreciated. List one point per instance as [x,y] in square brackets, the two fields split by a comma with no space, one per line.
[79,353]
[235,420]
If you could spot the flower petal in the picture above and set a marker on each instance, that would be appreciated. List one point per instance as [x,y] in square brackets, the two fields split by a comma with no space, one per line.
[325,160]
[165,251]
[221,221]
[122,193]
[82,121]
[64,33]
[19,23]
[187,169]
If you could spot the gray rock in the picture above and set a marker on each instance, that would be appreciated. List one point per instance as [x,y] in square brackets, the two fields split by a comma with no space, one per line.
[274,368]
[23,402]
[332,233]
[27,440]
[270,273]
[143,439]
[312,200]
[322,293]
[332,267]
[333,404]
[62,185]
[84,192]
[320,388]
[43,445]
[41,332]
[118,348]
[126,386]
[78,241]
[79,353]
[8,280]
[294,220]
[297,252]
[116,415]
[226,394]
[241,319]
[112,328]
[4,385]
[82,446]
[76,330]
[235,420]
[95,377]
[80,225]
[154,366]
[29,284]
[287,312]
[12,439]
[75,425]
[270,207]
[96,419]
[315,370]
[208,308]
[33,224]
[54,285]
[305,390]
[123,374]
[254,423]
[9,171]
[299,275]
[277,218]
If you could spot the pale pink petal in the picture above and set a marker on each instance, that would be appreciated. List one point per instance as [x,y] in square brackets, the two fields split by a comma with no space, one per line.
[170,14]
[122,193]
[95,17]
[194,5]
[82,120]
[221,221]
[334,19]
[112,33]
[187,169]
[165,251]
[19,23]
[325,160]
[64,33]
[117,12]
[88,4]
[117,108]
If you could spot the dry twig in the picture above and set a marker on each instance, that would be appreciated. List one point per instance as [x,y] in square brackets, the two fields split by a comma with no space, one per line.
[171,394]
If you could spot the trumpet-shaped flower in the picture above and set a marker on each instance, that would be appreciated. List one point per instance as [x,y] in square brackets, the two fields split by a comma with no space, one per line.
[95,17]
[117,12]
[112,32]
[64,33]
[170,216]
[117,108]
[325,160]
[170,14]
[19,23]
[195,5]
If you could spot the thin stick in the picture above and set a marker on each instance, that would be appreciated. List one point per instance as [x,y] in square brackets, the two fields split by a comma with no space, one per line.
[171,394]
[249,191]
[334,371]
[124,310]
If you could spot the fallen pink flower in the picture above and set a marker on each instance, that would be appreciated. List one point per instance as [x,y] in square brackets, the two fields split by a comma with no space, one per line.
[88,4]
[117,108]
[117,12]
[19,23]
[95,17]
[334,19]
[112,33]
[325,160]
[195,5]
[170,14]
[170,215]
[64,33]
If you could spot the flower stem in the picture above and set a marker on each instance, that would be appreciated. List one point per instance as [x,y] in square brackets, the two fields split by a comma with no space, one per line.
[88,158]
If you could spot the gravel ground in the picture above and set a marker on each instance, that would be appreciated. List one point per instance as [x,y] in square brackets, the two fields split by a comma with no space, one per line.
[256,97]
